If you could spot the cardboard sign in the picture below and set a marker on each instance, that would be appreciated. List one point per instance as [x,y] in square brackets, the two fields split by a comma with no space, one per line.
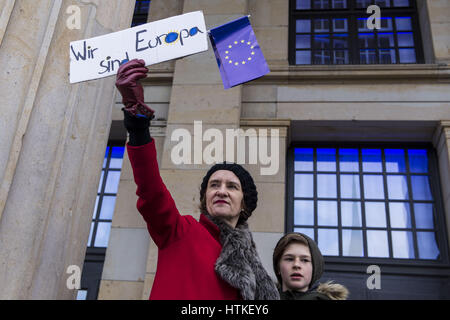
[153,42]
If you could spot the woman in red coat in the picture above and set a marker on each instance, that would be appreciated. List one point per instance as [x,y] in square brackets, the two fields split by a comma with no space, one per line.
[213,258]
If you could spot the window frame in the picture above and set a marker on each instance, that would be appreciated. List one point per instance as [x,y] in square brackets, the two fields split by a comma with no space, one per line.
[439,218]
[352,13]
[101,194]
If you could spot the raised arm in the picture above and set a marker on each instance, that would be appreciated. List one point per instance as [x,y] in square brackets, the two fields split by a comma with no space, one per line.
[155,202]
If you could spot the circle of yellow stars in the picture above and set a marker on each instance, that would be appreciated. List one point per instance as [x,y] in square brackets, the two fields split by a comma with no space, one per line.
[237,63]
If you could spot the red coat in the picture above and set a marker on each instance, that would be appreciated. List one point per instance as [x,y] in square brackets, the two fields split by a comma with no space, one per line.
[187,248]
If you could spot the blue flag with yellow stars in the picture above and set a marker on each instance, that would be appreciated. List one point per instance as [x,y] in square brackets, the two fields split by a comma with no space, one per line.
[238,54]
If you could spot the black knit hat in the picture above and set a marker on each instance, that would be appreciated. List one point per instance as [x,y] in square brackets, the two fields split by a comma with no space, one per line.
[247,183]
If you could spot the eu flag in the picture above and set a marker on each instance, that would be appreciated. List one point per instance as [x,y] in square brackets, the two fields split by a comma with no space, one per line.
[238,54]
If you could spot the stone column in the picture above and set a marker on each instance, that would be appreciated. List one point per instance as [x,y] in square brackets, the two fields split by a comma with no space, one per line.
[53,140]
[441,142]
[438,11]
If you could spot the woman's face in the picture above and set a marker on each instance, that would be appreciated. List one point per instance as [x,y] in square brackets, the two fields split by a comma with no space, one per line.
[224,196]
[296,267]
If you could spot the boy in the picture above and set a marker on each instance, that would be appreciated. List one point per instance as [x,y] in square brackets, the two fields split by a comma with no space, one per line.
[298,264]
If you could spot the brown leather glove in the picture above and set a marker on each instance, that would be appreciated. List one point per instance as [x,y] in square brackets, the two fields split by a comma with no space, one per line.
[131,90]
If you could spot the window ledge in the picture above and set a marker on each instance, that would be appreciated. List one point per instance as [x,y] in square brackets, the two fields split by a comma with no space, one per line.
[280,70]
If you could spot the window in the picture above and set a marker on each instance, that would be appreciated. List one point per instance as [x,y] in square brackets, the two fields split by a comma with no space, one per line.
[141,10]
[330,32]
[101,222]
[368,201]
[106,197]
[81,294]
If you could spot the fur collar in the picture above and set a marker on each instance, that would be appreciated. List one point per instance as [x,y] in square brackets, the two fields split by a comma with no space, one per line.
[239,264]
[334,291]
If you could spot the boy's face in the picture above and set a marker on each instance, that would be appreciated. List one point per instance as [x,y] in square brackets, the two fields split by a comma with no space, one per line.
[296,267]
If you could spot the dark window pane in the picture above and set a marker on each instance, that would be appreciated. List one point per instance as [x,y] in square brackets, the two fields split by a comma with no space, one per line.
[395,160]
[371,160]
[352,243]
[303,4]
[321,25]
[322,41]
[386,40]
[418,160]
[375,214]
[373,187]
[397,187]
[348,160]
[351,213]
[322,57]
[326,159]
[304,185]
[341,57]
[363,3]
[403,23]
[407,55]
[424,215]
[340,25]
[421,188]
[428,248]
[102,236]
[401,3]
[362,25]
[386,24]
[340,41]
[402,245]
[303,159]
[308,231]
[304,212]
[387,56]
[383,3]
[377,244]
[303,57]
[350,186]
[400,216]
[367,56]
[405,39]
[107,210]
[339,4]
[327,213]
[328,242]
[366,40]
[303,25]
[303,41]
[320,4]
[326,186]
[112,182]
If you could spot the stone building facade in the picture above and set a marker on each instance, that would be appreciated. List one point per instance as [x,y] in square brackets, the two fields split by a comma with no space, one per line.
[55,135]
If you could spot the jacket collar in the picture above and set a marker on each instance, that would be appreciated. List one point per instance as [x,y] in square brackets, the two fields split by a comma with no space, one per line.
[212,228]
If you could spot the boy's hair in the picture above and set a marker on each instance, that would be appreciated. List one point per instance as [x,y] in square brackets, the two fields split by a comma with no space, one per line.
[281,246]
[316,255]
